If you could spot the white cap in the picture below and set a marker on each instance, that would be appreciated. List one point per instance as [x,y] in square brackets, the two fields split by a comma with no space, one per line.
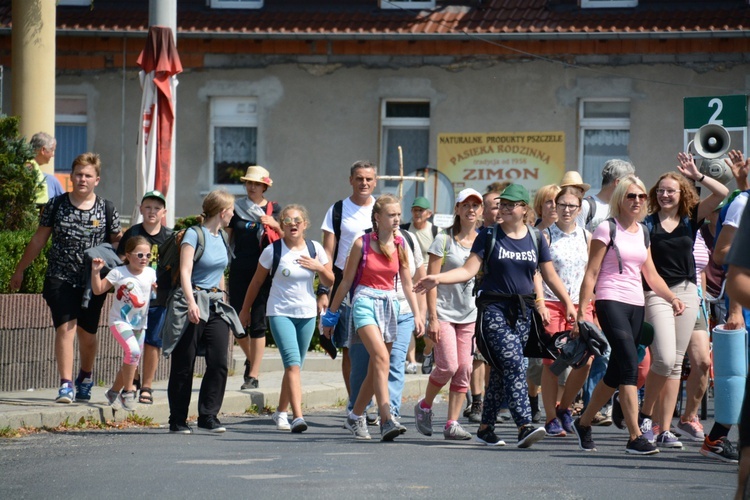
[468,193]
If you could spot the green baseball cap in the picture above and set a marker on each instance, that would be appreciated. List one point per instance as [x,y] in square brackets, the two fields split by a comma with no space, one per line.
[155,194]
[421,202]
[515,192]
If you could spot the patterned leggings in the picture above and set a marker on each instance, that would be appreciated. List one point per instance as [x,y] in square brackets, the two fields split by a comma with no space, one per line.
[505,345]
[131,341]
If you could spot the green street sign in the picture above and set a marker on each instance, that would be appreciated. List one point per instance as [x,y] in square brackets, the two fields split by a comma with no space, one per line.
[725,110]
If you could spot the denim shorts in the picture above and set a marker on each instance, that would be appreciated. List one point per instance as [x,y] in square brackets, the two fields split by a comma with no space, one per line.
[364,314]
[156,317]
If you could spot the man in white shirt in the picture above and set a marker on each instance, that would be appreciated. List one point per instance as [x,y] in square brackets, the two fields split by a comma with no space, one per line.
[595,208]
[345,221]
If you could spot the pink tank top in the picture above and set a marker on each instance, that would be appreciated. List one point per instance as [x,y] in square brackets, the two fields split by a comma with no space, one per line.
[379,272]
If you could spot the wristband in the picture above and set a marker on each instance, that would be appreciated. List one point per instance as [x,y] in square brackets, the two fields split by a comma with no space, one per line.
[701,179]
[672,301]
[322,290]
[330,318]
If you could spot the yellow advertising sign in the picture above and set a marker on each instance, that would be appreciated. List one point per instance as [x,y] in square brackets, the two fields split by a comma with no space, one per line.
[533,159]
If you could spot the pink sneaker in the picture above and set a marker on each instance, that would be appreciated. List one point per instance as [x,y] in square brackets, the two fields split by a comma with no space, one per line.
[693,429]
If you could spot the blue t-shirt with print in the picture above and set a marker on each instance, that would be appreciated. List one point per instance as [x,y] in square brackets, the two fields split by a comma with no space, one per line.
[207,272]
[512,265]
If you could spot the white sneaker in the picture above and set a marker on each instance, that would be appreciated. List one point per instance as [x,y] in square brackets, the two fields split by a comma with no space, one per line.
[411,368]
[281,420]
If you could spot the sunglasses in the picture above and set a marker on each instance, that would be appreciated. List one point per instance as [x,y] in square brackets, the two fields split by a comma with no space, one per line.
[510,206]
[296,220]
[640,196]
[141,255]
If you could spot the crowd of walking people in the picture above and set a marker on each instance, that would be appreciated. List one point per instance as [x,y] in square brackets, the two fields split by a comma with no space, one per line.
[514,299]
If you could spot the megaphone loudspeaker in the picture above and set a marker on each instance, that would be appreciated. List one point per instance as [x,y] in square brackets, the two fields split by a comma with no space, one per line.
[716,169]
[711,141]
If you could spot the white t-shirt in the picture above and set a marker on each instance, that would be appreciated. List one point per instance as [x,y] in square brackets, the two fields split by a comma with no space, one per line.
[132,295]
[455,303]
[415,262]
[601,213]
[735,210]
[291,292]
[355,220]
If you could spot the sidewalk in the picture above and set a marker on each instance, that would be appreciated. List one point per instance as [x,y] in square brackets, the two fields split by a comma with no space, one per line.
[322,385]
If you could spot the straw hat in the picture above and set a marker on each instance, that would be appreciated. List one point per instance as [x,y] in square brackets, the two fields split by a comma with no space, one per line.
[573,178]
[257,174]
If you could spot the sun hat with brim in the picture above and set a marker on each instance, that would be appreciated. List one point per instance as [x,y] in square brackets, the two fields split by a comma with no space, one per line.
[257,174]
[515,192]
[467,193]
[421,202]
[573,178]
[155,194]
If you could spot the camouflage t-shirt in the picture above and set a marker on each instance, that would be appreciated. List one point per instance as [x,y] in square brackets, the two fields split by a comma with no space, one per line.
[73,231]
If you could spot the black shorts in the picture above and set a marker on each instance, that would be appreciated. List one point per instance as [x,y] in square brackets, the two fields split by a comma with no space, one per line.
[237,287]
[64,301]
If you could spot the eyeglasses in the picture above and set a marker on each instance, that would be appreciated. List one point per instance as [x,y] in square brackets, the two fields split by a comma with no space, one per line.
[566,206]
[640,196]
[509,206]
[141,255]
[668,192]
[296,220]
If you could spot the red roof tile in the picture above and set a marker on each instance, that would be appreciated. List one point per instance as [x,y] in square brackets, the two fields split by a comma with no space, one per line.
[363,17]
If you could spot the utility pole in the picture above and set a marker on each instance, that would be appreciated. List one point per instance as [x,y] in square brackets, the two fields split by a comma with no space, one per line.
[33,72]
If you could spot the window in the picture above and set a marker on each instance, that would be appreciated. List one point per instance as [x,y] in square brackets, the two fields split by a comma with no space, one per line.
[604,134]
[233,139]
[407,124]
[406,4]
[608,4]
[71,128]
[237,4]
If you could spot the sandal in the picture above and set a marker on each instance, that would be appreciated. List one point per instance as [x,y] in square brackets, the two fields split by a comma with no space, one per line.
[146,397]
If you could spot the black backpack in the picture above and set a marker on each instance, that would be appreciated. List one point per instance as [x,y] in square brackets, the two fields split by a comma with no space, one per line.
[277,254]
[613,245]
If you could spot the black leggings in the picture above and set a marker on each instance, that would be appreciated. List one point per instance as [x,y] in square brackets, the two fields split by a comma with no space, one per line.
[621,324]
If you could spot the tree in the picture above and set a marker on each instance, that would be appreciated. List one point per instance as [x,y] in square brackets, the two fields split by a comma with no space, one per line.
[18,183]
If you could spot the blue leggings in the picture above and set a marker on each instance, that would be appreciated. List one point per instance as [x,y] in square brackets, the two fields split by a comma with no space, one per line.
[292,337]
[505,345]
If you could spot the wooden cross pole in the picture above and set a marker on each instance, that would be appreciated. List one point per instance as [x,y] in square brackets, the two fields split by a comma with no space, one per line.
[401,177]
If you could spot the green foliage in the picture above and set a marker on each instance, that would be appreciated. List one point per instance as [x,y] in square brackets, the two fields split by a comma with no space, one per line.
[18,183]
[184,222]
[12,245]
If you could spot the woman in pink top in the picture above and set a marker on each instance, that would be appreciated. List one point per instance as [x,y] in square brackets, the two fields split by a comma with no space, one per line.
[371,268]
[615,268]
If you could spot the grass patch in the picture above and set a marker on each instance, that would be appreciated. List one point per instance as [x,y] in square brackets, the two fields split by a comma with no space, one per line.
[140,421]
[252,410]
[8,432]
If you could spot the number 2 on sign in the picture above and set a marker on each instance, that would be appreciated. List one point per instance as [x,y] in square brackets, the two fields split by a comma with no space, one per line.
[719,106]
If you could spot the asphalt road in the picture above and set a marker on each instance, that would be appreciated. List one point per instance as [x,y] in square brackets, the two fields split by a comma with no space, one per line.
[253,460]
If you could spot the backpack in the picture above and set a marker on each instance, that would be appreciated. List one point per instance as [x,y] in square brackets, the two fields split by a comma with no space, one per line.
[109,211]
[270,235]
[169,258]
[277,254]
[405,227]
[592,210]
[725,210]
[613,232]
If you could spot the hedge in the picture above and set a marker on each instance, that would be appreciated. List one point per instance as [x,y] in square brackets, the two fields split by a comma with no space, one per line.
[12,245]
